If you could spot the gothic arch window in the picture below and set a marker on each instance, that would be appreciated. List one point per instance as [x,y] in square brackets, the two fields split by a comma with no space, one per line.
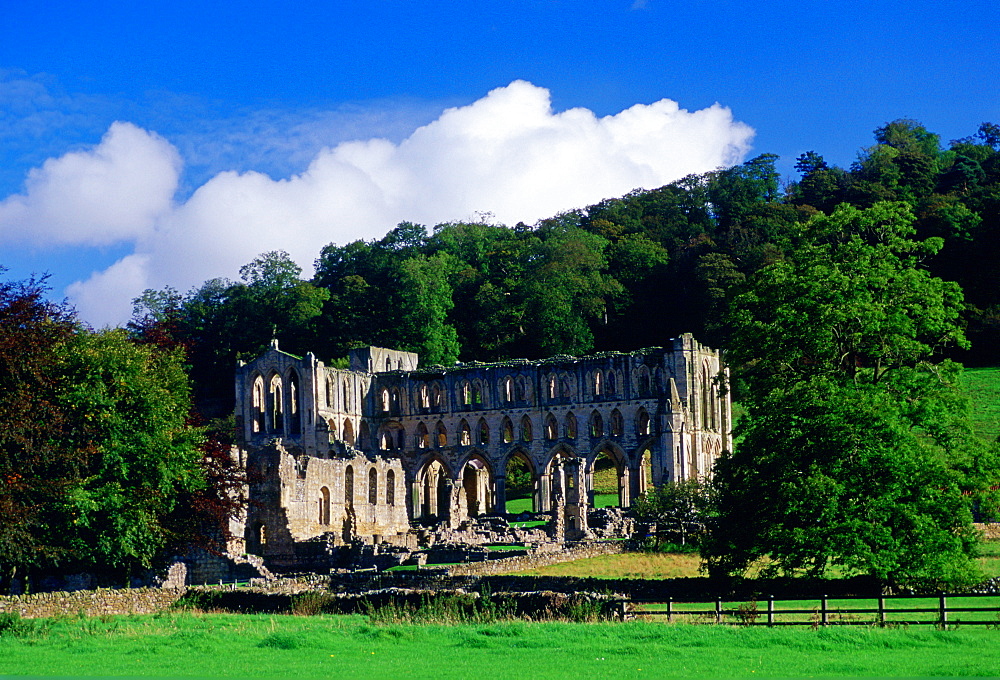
[425,396]
[349,486]
[324,506]
[347,393]
[390,488]
[437,397]
[259,405]
[464,434]
[617,424]
[507,389]
[551,427]
[294,403]
[372,486]
[363,436]
[275,398]
[465,393]
[598,384]
[570,425]
[565,386]
[612,383]
[520,389]
[442,435]
[642,423]
[395,401]
[596,425]
[508,431]
[552,387]
[526,433]
[385,400]
[423,437]
[643,380]
[331,428]
[329,392]
[388,364]
[349,432]
[477,393]
[484,433]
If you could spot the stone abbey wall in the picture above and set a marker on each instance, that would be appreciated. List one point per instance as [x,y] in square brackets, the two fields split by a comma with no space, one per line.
[336,455]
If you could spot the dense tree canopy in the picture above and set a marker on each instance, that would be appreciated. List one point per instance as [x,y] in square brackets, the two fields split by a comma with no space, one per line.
[96,448]
[857,451]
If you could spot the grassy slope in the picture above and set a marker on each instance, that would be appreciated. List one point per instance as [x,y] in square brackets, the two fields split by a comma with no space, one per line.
[983,387]
[221,645]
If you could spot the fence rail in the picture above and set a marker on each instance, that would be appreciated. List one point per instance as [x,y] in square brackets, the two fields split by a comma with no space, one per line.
[748,613]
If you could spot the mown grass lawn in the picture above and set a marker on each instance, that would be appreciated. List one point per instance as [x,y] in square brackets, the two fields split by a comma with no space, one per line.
[254,646]
[982,385]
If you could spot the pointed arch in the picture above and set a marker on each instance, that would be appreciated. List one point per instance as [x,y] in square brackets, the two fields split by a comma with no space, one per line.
[596,424]
[390,487]
[294,403]
[259,404]
[478,393]
[442,434]
[566,390]
[483,433]
[372,486]
[346,402]
[437,396]
[477,486]
[324,506]
[597,384]
[642,423]
[423,437]
[617,423]
[507,389]
[433,489]
[551,427]
[608,476]
[349,432]
[551,387]
[571,425]
[364,435]
[276,409]
[464,433]
[526,430]
[521,482]
[642,381]
[507,430]
[611,382]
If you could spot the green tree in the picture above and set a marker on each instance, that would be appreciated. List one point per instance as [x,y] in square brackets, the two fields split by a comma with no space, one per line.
[129,406]
[427,300]
[856,449]
[37,470]
[679,508]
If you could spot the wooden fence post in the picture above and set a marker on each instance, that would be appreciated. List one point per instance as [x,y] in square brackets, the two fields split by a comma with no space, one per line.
[718,610]
[881,611]
[823,613]
[944,611]
[770,610]
[670,610]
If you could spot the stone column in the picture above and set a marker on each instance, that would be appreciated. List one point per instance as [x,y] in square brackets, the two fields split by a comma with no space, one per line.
[500,495]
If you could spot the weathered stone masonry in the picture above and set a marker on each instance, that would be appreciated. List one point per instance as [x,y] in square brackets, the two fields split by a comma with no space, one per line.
[343,455]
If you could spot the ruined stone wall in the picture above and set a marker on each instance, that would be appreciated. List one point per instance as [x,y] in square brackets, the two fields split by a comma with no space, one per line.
[506,565]
[92,602]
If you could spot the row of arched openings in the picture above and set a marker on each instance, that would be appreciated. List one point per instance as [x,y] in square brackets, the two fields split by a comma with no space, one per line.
[393,434]
[373,492]
[276,404]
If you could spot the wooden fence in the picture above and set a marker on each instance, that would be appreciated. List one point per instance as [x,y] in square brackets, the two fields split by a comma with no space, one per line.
[765,613]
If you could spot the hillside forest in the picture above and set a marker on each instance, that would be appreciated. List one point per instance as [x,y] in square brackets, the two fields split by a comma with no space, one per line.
[622,274]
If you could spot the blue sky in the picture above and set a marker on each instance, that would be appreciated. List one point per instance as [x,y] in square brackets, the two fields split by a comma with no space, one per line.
[233,118]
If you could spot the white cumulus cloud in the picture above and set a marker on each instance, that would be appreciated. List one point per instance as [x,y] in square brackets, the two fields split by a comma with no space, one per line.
[508,154]
[113,192]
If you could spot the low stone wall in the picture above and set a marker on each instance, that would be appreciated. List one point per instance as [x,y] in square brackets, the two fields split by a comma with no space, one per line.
[505,565]
[91,602]
[990,531]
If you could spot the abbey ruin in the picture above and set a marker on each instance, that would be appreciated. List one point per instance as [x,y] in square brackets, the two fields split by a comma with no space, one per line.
[371,453]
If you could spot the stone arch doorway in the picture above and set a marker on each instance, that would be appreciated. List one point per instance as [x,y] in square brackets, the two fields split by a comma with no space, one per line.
[521,484]
[476,498]
[434,488]
[608,478]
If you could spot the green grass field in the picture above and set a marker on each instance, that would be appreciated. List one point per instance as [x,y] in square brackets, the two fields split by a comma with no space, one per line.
[244,646]
[983,387]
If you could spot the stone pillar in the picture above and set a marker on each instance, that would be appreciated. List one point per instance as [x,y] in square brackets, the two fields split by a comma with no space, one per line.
[415,504]
[544,493]
[625,488]
[500,495]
